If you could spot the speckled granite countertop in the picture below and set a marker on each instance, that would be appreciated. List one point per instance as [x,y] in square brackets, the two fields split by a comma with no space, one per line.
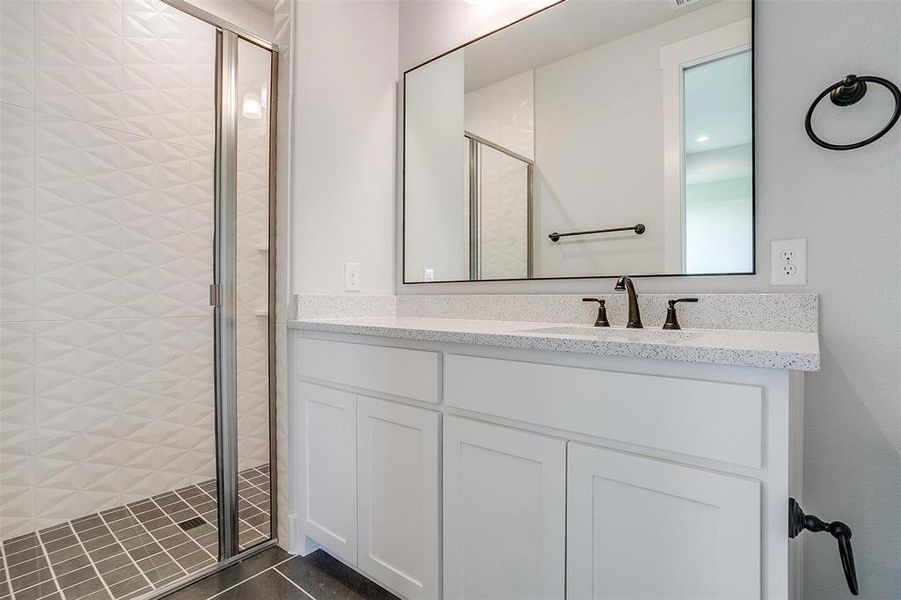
[769,349]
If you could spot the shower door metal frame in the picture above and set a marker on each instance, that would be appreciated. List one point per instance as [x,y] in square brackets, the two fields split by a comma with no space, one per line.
[223,290]
[475,143]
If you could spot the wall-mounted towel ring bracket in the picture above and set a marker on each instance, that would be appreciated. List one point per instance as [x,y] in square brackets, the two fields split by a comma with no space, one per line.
[846,92]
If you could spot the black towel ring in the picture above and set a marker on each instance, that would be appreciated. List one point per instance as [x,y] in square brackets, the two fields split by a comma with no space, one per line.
[845,93]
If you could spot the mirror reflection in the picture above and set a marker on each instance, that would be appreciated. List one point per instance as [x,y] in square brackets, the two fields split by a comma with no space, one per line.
[594,138]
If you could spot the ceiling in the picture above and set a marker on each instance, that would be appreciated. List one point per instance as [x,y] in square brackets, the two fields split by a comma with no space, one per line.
[563,29]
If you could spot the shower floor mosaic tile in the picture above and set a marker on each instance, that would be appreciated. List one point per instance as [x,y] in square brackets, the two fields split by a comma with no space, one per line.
[129,551]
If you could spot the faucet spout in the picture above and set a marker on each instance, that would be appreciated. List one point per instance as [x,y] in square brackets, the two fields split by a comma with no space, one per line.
[624,283]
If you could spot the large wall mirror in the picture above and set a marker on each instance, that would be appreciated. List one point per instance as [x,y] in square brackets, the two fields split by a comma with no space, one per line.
[591,139]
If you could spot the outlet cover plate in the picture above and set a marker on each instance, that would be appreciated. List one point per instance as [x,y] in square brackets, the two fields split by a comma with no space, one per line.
[351,277]
[788,262]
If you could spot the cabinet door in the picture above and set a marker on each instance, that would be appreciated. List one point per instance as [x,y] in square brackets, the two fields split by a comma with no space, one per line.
[397,464]
[330,469]
[643,528]
[504,513]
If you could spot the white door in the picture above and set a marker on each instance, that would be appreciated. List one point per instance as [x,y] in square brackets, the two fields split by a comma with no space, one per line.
[397,463]
[504,513]
[330,469]
[639,528]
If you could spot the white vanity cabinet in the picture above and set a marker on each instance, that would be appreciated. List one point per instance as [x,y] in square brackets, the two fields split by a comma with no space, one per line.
[504,513]
[645,528]
[371,486]
[329,438]
[397,496]
[499,473]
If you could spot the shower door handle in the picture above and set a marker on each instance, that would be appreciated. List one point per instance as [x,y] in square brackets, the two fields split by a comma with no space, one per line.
[215,295]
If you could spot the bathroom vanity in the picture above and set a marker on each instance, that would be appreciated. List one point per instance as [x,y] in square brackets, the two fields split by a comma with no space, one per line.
[463,459]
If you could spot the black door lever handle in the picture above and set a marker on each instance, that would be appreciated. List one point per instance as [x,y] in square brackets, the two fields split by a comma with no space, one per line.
[798,522]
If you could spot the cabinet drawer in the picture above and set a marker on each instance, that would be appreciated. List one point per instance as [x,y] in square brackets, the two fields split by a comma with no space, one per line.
[397,371]
[707,419]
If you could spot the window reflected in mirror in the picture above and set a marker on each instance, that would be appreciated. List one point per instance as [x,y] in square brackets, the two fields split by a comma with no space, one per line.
[718,177]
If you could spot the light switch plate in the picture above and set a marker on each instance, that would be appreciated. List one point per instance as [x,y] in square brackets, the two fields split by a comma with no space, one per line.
[351,277]
[788,262]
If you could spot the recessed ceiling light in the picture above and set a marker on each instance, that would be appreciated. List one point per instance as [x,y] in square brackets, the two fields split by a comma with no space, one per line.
[702,138]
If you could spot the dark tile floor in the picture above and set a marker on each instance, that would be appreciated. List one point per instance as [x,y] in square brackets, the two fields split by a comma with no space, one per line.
[276,575]
[128,551]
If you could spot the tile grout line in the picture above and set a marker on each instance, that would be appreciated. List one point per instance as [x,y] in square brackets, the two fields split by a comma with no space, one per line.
[201,546]
[243,581]
[217,511]
[9,581]
[130,557]
[256,487]
[59,588]
[133,515]
[294,583]
[239,517]
[216,525]
[90,559]
[256,506]
[172,558]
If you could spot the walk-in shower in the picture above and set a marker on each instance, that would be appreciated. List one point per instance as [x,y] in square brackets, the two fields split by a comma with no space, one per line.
[137,274]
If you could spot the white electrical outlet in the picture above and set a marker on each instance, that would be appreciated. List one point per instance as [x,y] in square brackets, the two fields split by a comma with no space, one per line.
[351,277]
[428,274]
[788,262]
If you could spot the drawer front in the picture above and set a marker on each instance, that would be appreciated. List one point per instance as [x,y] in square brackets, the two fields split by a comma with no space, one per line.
[707,419]
[396,371]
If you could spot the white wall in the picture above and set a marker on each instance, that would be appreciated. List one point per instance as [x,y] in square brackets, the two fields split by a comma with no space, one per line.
[846,205]
[434,146]
[343,153]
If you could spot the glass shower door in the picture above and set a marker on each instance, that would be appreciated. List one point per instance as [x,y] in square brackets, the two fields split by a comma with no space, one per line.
[254,306]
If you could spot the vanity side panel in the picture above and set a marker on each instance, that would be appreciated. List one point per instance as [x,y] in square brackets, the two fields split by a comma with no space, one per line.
[796,479]
[709,419]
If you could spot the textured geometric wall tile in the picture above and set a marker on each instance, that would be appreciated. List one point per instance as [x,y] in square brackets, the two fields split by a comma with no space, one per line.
[101,19]
[16,428]
[16,214]
[16,511]
[17,17]
[54,18]
[16,374]
[253,391]
[16,147]
[150,351]
[17,52]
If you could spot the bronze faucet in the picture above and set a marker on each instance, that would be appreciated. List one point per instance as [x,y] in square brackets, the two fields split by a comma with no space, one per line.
[624,283]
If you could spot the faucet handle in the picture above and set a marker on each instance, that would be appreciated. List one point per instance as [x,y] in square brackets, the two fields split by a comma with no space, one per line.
[672,320]
[601,321]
